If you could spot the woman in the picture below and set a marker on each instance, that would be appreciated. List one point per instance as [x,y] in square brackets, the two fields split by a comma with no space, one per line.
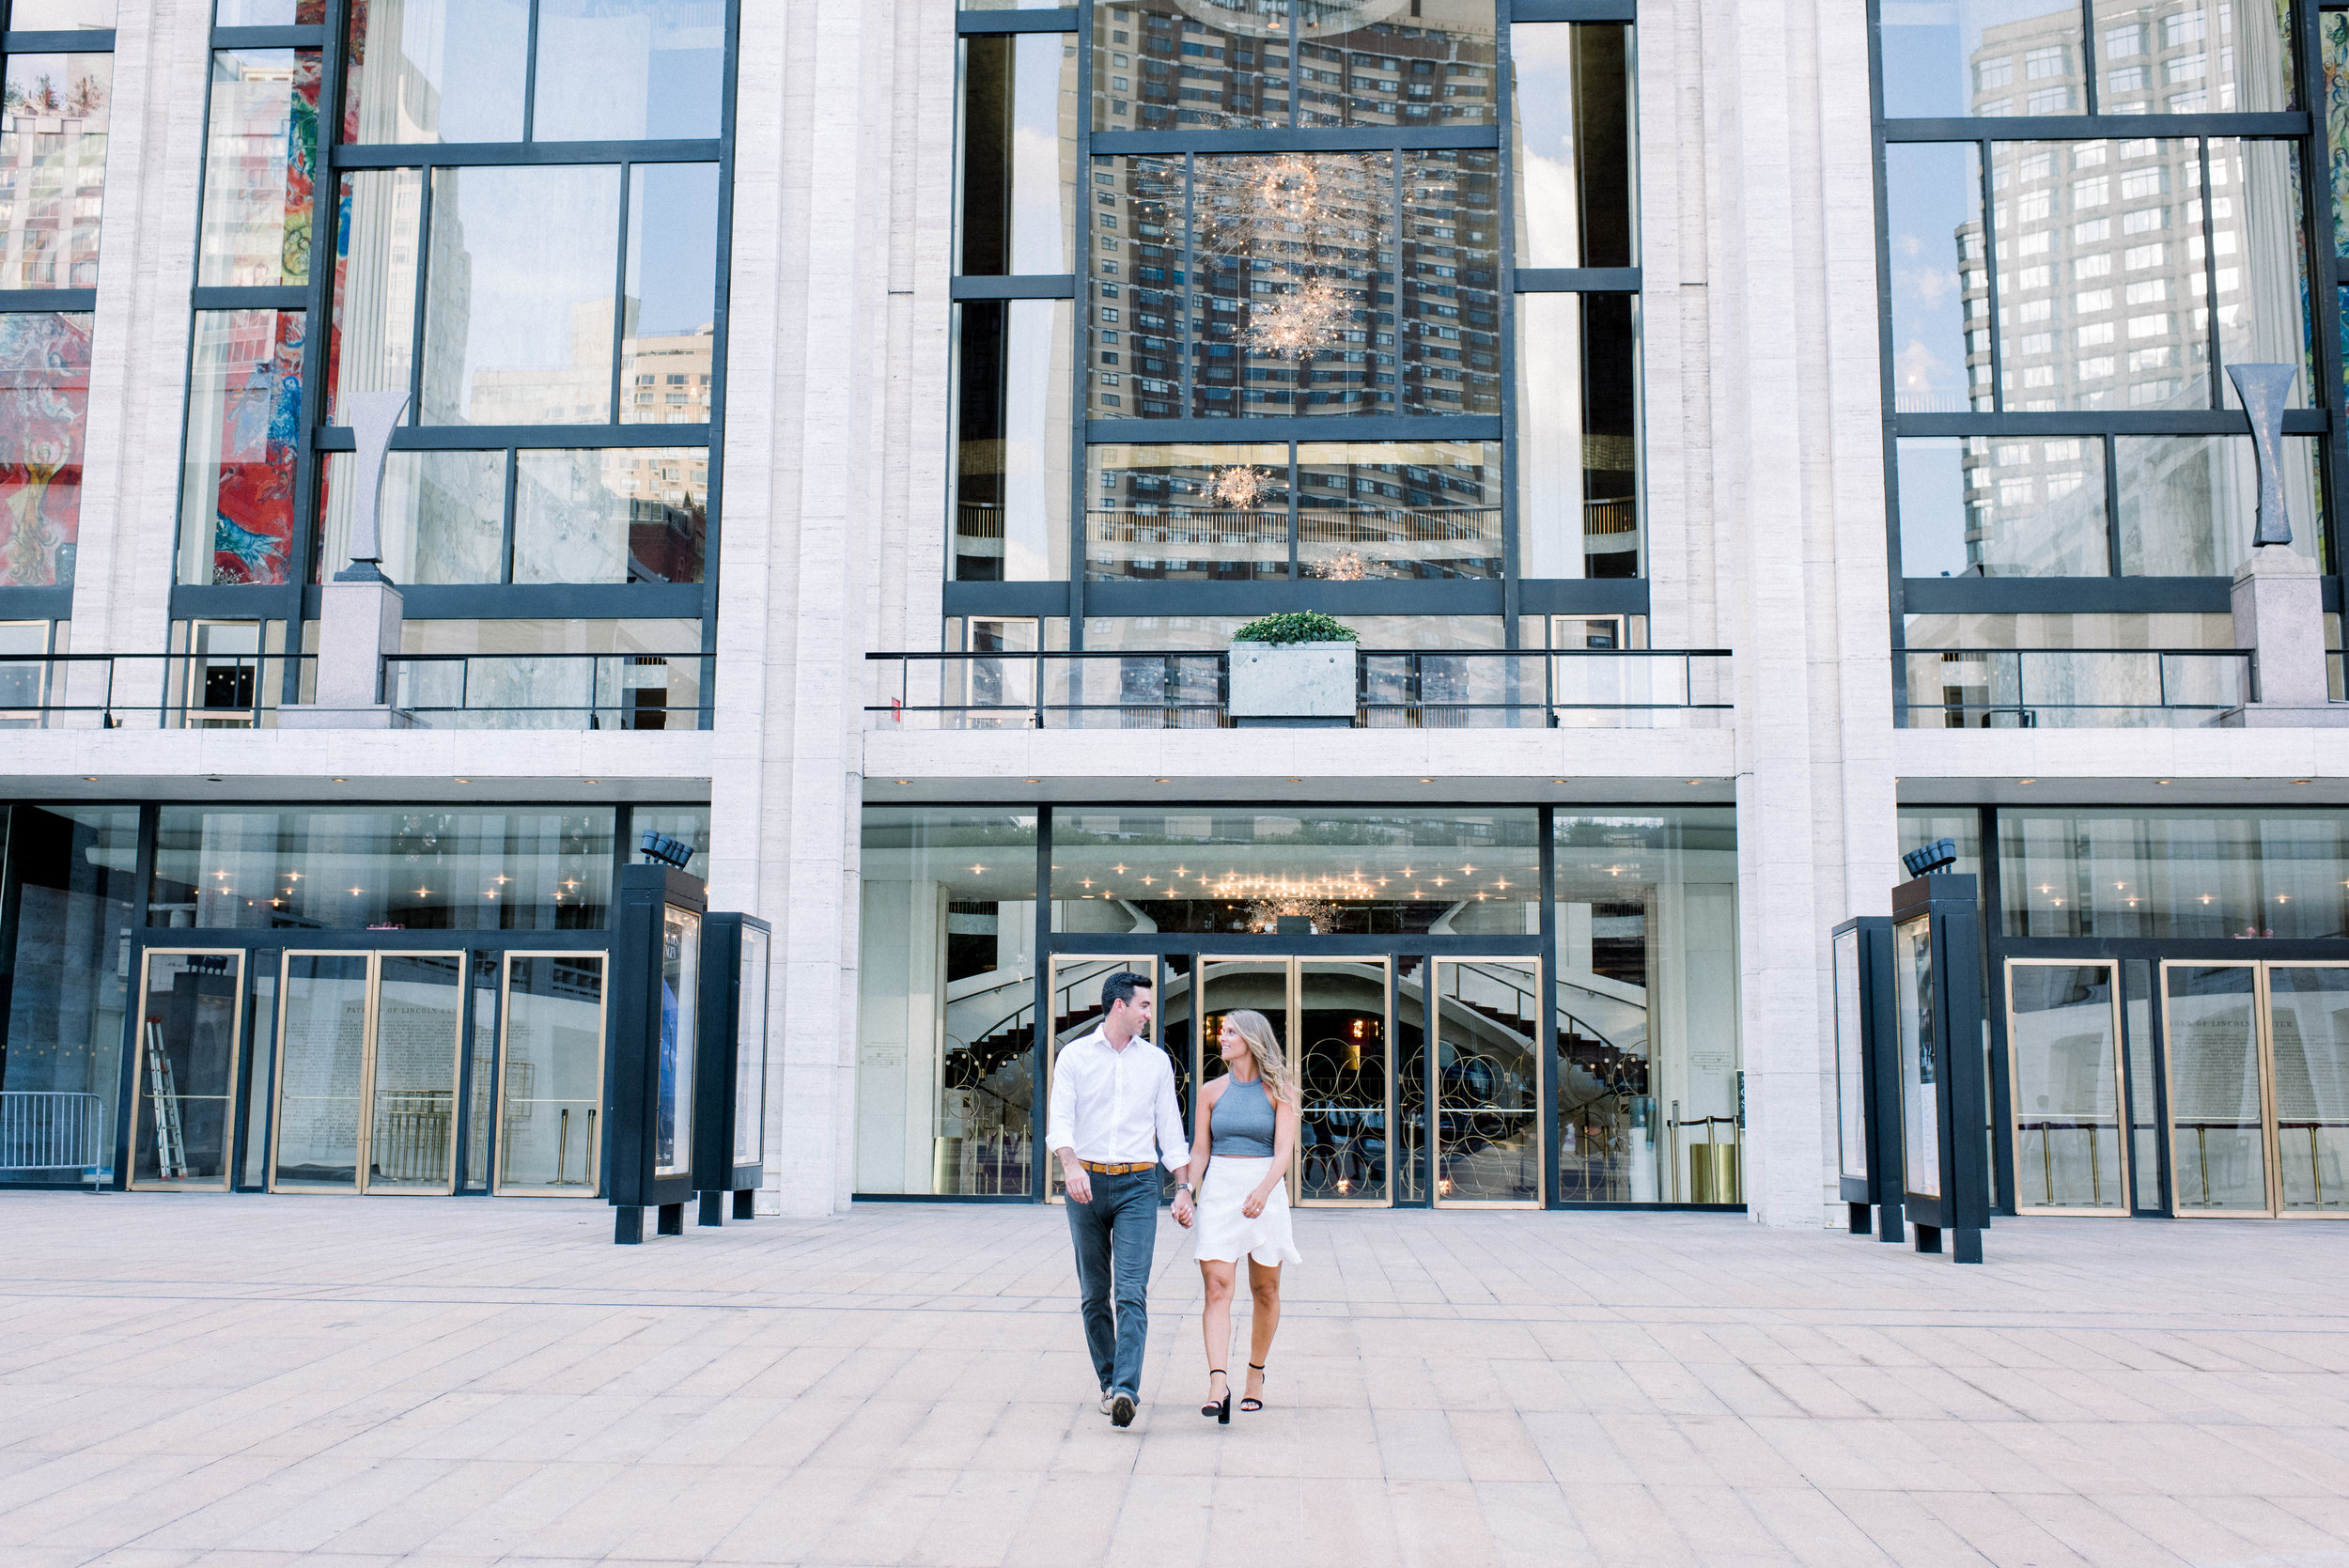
[1240,1160]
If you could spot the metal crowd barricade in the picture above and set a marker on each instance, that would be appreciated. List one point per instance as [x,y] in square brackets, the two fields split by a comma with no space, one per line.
[54,1129]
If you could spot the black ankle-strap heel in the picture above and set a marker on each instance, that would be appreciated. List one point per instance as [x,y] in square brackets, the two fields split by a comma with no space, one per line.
[1251,1402]
[1222,1412]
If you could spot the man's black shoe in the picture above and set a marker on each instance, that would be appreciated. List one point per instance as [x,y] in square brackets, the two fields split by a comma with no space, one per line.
[1122,1409]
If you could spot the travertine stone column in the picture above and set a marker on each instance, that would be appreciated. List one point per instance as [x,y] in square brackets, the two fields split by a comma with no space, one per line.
[1797,551]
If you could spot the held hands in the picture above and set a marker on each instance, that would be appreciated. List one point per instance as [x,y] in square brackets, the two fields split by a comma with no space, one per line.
[1183,1210]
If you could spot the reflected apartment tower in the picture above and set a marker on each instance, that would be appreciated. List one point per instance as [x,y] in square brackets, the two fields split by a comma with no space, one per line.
[53,170]
[2106,263]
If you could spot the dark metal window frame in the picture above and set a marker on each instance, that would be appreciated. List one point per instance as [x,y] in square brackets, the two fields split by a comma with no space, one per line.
[53,603]
[1511,595]
[298,600]
[2304,127]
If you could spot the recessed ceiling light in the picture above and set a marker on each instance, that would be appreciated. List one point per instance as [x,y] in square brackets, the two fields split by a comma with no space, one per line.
[905,780]
[1023,781]
[2299,781]
[89,778]
[1696,780]
[338,781]
[2161,781]
[1161,781]
[1297,781]
[464,781]
[1556,781]
[2026,781]
[1428,781]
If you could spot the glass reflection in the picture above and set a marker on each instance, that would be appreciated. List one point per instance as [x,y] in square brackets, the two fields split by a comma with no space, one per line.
[225,13]
[372,345]
[1571,94]
[1017,166]
[1851,1047]
[2189,503]
[611,515]
[481,1087]
[1398,510]
[435,71]
[669,327]
[1983,57]
[627,70]
[2031,508]
[1187,512]
[529,339]
[2190,57]
[2102,291]
[1921,1053]
[44,414]
[187,1069]
[1012,438]
[1342,1062]
[411,1122]
[322,1070]
[2308,1037]
[1289,249]
[259,160]
[2063,1043]
[244,426]
[1139,206]
[680,1007]
[750,1061]
[441,516]
[1448,328]
[552,1086]
[1166,65]
[2260,261]
[1365,62]
[1342,870]
[1940,290]
[2217,1150]
[2174,873]
[1578,444]
[413,869]
[57,16]
[2333,43]
[53,112]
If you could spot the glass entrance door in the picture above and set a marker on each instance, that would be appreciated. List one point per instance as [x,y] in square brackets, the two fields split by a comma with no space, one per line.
[1076,979]
[367,1049]
[1486,1058]
[2063,1049]
[186,1068]
[2259,1088]
[1335,1021]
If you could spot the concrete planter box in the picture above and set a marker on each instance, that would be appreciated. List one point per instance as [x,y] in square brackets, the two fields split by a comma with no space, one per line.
[1293,683]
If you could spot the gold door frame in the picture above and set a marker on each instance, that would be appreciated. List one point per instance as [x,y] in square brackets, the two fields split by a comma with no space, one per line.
[2128,1204]
[138,1072]
[1292,968]
[2262,1026]
[1040,1115]
[497,1183]
[1432,1032]
[372,1014]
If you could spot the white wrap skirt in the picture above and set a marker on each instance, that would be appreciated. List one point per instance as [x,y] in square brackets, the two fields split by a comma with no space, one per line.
[1226,1234]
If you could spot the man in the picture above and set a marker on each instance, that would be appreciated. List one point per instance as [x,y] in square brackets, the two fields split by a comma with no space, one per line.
[1114,1121]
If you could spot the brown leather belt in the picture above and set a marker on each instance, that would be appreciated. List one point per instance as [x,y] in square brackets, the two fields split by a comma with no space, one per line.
[1116,1170]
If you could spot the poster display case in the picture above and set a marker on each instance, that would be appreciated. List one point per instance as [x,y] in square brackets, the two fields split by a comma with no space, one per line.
[731,1094]
[658,920]
[1867,1096]
[1937,1010]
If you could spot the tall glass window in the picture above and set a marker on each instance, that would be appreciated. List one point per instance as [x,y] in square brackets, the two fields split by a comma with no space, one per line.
[55,106]
[1406,351]
[2064,310]
[517,220]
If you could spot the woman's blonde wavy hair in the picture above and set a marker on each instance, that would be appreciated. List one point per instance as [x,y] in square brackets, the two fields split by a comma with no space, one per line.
[1265,1047]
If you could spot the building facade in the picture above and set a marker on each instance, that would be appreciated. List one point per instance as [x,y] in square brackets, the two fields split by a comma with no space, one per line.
[851,436]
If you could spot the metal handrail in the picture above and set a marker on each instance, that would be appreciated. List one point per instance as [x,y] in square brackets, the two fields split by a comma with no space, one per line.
[408,679]
[1195,683]
[55,1129]
[2025,708]
[116,690]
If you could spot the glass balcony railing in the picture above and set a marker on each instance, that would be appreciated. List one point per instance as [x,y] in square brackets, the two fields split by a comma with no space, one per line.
[2074,687]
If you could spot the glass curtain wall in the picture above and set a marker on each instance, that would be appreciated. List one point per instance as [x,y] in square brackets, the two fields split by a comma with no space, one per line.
[1293,364]
[947,1091]
[2063,306]
[516,218]
[55,105]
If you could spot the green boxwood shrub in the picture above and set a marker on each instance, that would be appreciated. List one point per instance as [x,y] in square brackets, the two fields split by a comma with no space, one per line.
[1297,625]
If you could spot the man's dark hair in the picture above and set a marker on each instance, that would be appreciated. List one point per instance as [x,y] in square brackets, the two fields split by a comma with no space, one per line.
[1121,986]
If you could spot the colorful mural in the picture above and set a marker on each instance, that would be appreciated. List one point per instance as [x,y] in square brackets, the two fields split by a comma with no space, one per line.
[302,155]
[44,403]
[259,387]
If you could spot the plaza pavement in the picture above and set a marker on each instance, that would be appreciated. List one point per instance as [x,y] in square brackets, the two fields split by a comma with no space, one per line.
[327,1382]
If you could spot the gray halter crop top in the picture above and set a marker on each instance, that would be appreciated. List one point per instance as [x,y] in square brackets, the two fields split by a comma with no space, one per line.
[1243,1122]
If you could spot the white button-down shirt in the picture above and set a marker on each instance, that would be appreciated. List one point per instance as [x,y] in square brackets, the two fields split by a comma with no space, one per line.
[1115,1107]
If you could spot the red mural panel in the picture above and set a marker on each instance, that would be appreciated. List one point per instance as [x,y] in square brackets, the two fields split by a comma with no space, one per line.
[261,423]
[44,404]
